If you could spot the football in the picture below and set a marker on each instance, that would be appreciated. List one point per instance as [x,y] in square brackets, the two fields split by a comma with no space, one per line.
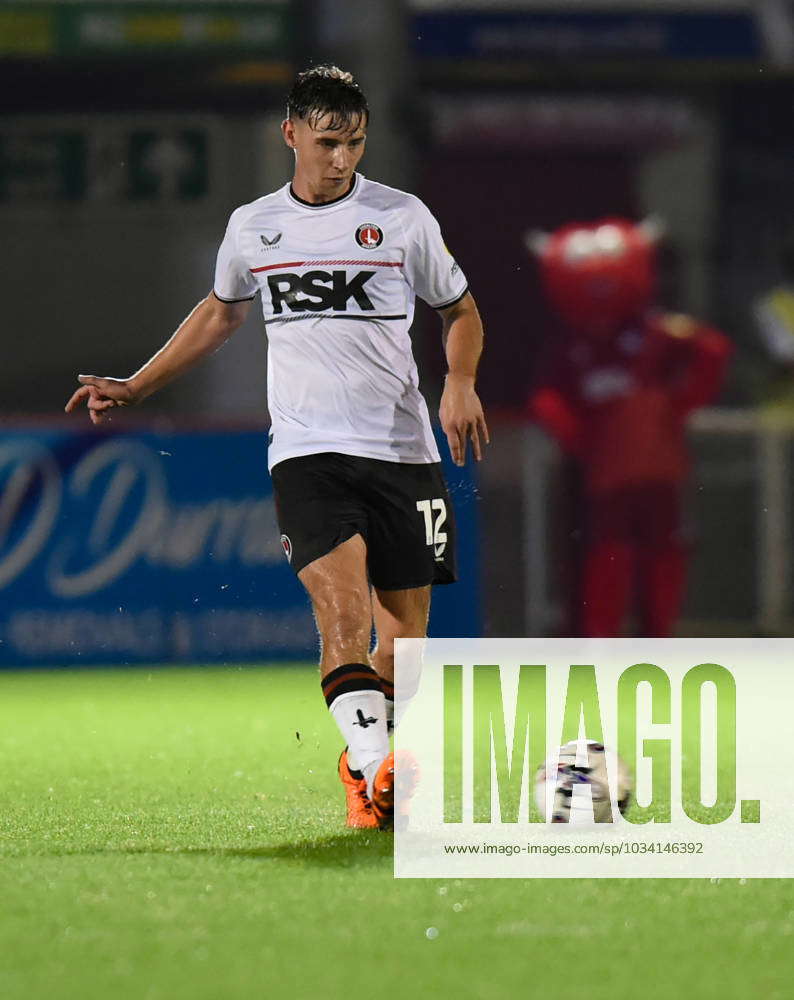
[579,793]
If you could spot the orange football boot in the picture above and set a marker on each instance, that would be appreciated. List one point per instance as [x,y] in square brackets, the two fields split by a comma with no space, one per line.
[407,777]
[359,809]
[383,794]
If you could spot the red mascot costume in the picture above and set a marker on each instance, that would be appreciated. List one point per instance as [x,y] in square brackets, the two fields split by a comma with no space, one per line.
[615,392]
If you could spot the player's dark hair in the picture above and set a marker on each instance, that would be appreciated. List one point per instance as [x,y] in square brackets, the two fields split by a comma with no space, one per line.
[328,90]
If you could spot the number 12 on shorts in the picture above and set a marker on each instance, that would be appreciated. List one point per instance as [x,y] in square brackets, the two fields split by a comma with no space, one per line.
[435,515]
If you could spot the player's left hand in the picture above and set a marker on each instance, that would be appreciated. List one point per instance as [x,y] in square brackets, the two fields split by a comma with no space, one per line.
[101,395]
[462,418]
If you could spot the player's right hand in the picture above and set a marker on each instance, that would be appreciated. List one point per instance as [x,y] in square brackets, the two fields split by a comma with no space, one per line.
[101,395]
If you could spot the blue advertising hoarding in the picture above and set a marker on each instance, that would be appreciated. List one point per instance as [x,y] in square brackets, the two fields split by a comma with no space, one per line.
[665,34]
[153,547]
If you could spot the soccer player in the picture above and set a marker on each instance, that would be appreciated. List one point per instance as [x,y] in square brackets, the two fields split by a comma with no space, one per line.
[363,510]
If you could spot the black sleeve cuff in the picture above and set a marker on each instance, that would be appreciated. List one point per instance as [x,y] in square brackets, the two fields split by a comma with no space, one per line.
[446,305]
[220,298]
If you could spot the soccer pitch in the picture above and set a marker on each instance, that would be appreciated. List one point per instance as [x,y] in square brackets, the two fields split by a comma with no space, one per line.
[170,834]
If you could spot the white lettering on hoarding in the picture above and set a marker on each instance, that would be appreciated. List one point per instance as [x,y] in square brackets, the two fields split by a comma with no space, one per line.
[122,486]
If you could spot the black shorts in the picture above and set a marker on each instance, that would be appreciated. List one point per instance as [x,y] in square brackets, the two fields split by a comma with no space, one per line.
[402,511]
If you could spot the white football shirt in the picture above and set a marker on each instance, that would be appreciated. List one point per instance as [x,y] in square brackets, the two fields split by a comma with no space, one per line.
[338,283]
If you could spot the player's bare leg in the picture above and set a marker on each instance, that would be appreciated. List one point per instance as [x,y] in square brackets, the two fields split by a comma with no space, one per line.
[398,614]
[339,590]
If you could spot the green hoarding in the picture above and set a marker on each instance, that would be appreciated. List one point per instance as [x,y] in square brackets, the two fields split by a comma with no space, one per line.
[130,29]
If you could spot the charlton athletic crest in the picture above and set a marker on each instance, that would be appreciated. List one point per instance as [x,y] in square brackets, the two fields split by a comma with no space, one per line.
[369,236]
[286,544]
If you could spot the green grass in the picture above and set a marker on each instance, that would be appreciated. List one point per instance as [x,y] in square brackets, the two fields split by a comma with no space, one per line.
[166,835]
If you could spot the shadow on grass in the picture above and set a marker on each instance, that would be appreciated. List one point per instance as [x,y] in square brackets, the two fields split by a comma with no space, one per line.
[358,848]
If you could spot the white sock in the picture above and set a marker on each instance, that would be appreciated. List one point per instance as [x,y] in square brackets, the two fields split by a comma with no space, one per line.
[399,710]
[355,699]
[369,773]
[395,710]
[361,717]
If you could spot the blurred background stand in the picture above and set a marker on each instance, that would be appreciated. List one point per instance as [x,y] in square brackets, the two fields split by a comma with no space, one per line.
[373,40]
